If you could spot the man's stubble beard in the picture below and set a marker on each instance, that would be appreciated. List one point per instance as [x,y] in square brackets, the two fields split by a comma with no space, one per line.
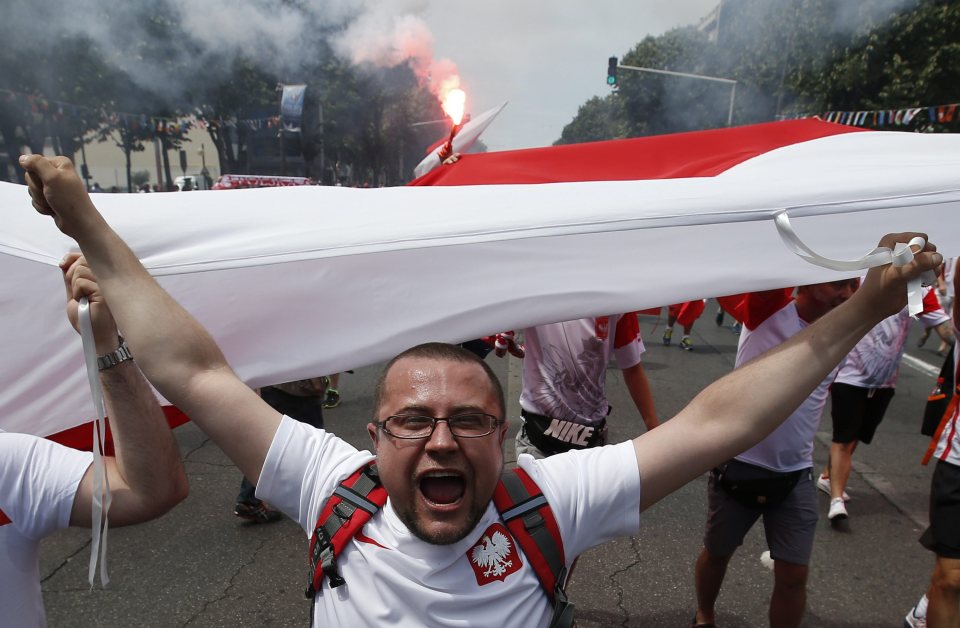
[409,519]
[474,515]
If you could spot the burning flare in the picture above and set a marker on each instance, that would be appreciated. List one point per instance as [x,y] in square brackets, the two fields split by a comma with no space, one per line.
[453,105]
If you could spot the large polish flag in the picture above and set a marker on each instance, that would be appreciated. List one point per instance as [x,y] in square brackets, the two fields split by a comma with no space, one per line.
[298,282]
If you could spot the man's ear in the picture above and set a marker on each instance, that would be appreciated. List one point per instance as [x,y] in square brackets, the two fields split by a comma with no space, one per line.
[374,434]
[503,432]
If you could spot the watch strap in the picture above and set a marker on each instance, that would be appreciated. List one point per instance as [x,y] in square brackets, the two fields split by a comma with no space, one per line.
[115,357]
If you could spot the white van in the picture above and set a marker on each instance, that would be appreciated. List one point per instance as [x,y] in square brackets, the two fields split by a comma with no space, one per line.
[190,182]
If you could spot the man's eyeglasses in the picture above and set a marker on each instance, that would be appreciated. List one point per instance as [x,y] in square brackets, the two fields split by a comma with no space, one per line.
[470,425]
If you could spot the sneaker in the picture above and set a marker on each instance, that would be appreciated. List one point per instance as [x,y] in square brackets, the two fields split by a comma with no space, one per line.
[686,344]
[912,621]
[824,485]
[736,329]
[332,400]
[667,337]
[257,512]
[915,619]
[837,512]
[719,317]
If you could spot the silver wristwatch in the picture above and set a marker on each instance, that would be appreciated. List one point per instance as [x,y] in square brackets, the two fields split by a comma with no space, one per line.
[115,357]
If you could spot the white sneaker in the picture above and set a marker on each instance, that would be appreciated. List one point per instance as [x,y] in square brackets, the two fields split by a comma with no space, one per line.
[837,511]
[824,485]
[912,621]
[917,617]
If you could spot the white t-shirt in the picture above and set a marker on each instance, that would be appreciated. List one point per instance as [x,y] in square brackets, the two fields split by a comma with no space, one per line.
[875,361]
[790,446]
[394,578]
[565,367]
[38,483]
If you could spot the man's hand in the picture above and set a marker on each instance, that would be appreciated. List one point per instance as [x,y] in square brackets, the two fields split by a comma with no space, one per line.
[884,291]
[56,190]
[80,282]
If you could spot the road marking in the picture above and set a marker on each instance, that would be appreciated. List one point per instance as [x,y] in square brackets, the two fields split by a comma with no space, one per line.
[924,367]
[892,495]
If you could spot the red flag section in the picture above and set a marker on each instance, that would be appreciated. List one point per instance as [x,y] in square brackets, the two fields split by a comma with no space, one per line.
[680,155]
[81,436]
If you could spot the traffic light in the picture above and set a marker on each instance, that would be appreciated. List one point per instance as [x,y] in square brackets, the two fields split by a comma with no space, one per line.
[612,64]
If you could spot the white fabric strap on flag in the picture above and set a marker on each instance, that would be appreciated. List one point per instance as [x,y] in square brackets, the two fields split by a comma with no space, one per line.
[901,255]
[101,485]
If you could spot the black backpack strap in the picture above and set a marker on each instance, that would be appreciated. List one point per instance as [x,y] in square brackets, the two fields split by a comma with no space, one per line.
[527,514]
[353,502]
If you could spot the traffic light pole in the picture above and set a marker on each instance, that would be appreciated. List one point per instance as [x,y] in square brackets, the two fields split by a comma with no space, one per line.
[732,83]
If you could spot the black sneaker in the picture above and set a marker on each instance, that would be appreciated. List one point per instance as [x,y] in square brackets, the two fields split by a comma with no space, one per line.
[257,512]
[332,399]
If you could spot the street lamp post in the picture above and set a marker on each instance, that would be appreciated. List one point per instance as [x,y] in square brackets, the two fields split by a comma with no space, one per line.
[203,171]
[732,83]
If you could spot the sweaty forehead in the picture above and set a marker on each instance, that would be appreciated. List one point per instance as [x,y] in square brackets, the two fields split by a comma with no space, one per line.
[430,382]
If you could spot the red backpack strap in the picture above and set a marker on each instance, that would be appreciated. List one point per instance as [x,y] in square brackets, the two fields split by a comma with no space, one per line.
[353,502]
[4,519]
[530,519]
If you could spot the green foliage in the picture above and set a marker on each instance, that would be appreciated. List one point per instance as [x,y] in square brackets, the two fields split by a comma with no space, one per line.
[912,60]
[791,57]
[598,119]
[655,103]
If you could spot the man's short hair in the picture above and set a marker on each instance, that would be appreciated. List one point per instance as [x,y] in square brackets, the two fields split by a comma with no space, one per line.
[440,351]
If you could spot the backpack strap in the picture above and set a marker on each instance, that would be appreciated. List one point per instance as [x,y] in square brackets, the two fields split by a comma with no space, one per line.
[530,519]
[353,502]
[4,519]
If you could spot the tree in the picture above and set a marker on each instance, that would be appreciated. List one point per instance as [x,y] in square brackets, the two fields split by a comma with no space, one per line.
[244,89]
[48,91]
[140,178]
[911,60]
[597,119]
[789,58]
[147,77]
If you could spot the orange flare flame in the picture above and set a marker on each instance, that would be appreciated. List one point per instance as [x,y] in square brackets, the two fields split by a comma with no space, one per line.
[453,105]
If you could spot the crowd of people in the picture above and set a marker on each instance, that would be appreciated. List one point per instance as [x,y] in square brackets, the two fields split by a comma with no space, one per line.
[430,525]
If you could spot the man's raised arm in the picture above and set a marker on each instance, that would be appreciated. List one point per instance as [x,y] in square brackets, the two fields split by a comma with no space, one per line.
[146,475]
[172,349]
[740,409]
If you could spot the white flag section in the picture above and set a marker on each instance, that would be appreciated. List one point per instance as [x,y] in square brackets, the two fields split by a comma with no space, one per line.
[300,282]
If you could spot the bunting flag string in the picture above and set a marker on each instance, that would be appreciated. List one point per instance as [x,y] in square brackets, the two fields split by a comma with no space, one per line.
[931,114]
[56,110]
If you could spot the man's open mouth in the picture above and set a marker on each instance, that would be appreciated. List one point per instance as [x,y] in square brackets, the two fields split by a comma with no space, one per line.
[442,487]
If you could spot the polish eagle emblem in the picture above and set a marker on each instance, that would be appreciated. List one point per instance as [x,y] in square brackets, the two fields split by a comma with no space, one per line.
[494,557]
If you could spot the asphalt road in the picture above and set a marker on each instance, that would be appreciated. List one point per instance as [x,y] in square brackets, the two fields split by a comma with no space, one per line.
[200,566]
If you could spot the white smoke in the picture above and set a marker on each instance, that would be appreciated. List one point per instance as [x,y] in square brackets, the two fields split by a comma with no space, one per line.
[279,35]
[388,33]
